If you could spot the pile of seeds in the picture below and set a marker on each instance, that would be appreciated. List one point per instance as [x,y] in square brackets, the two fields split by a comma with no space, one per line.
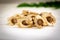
[28,19]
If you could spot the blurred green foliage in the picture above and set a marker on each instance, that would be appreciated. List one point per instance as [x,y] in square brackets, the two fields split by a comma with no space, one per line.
[55,4]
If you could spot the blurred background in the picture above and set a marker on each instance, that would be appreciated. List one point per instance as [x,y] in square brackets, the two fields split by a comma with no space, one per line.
[19,1]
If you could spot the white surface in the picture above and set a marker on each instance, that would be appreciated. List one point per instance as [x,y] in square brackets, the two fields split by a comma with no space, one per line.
[7,32]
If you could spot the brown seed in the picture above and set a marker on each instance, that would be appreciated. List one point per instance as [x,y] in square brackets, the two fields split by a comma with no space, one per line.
[24,22]
[49,19]
[40,22]
[14,21]
[33,19]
